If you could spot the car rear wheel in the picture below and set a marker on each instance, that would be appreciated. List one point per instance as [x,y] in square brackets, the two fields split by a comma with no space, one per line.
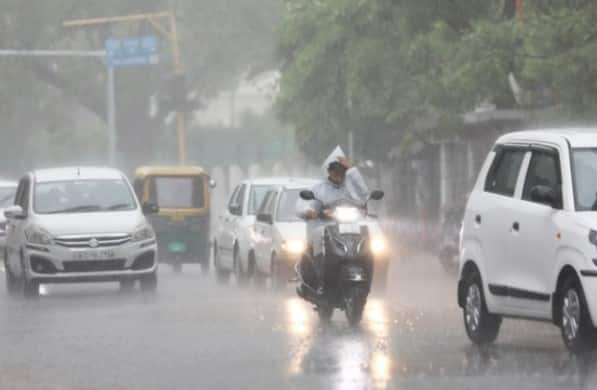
[222,275]
[241,276]
[481,326]
[577,328]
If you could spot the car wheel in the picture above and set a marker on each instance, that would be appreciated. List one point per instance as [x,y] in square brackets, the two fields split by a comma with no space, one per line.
[481,326]
[149,283]
[241,277]
[30,288]
[576,325]
[12,283]
[222,275]
[278,282]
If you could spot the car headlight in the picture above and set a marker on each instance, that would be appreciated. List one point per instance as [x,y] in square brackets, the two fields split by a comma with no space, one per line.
[347,214]
[378,246]
[294,247]
[143,233]
[38,236]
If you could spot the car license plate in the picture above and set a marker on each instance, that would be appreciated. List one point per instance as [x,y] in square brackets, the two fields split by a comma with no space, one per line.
[177,247]
[94,255]
[349,228]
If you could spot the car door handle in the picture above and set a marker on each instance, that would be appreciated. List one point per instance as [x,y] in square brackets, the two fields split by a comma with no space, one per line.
[516,226]
[478,218]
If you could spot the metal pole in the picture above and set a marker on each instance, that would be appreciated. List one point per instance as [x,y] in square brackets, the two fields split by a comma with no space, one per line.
[111,113]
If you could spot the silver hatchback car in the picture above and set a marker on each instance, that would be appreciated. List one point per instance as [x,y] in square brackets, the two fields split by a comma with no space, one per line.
[78,225]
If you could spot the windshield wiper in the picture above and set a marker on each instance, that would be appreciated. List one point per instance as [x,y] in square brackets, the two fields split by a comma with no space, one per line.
[76,209]
[120,206]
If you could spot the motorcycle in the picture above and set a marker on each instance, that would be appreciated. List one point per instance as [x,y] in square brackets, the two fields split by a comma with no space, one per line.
[348,262]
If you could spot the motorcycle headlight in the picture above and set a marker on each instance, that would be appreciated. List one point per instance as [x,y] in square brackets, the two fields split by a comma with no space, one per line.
[347,214]
[378,246]
[143,233]
[294,247]
[38,236]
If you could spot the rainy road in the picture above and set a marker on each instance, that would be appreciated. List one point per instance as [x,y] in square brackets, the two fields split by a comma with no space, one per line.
[194,334]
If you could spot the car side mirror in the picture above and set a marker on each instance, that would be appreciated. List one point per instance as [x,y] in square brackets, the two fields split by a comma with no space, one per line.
[544,194]
[265,218]
[235,209]
[377,195]
[14,212]
[307,195]
[150,208]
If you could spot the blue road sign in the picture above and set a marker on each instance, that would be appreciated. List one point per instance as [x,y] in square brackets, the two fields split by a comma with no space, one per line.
[132,51]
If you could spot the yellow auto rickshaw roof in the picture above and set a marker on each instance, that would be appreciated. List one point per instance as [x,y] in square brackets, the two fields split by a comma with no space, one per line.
[170,171]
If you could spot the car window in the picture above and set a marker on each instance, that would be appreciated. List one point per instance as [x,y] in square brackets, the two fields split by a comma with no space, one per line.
[584,172]
[544,169]
[265,208]
[258,193]
[177,191]
[288,205]
[91,195]
[504,172]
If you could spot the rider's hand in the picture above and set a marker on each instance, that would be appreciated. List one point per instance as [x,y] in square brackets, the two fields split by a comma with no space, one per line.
[311,214]
[345,162]
[328,213]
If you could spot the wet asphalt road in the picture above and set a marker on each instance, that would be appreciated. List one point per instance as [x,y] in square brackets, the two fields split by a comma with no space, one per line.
[194,334]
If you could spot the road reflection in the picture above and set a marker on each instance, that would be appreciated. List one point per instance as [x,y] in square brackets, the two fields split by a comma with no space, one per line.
[343,357]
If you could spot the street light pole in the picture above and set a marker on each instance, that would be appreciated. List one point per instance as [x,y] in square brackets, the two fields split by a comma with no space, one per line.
[111,114]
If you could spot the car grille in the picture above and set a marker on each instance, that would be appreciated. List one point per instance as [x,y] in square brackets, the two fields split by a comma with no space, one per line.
[94,266]
[88,241]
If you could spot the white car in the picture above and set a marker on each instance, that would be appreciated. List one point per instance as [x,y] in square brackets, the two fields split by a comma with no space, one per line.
[78,225]
[234,240]
[529,239]
[7,195]
[281,236]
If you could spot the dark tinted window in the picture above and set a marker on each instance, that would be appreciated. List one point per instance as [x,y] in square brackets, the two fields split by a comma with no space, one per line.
[504,172]
[544,170]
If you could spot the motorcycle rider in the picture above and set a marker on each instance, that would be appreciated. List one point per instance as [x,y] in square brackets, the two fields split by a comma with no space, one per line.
[343,182]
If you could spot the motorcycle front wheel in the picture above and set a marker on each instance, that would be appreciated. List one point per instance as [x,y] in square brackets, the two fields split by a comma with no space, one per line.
[355,299]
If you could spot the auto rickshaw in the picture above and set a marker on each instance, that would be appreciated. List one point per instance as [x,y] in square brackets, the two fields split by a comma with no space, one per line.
[182,224]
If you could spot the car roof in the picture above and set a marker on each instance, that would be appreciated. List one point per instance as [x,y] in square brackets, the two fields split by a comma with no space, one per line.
[280,181]
[76,173]
[575,136]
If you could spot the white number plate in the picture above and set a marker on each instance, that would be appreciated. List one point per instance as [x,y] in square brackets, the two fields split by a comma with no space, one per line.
[349,228]
[94,255]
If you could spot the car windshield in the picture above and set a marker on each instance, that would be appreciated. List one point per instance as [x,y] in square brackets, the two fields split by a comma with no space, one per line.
[256,197]
[79,196]
[585,178]
[7,195]
[288,205]
[184,192]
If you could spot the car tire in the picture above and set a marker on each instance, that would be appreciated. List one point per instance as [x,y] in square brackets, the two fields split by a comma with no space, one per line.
[241,276]
[278,283]
[481,326]
[149,283]
[30,288]
[577,329]
[12,282]
[222,275]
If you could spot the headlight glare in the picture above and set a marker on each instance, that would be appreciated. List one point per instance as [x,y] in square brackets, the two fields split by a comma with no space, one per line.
[294,247]
[378,246]
[347,214]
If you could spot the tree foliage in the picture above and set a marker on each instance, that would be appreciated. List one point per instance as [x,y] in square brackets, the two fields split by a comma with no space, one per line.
[385,65]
